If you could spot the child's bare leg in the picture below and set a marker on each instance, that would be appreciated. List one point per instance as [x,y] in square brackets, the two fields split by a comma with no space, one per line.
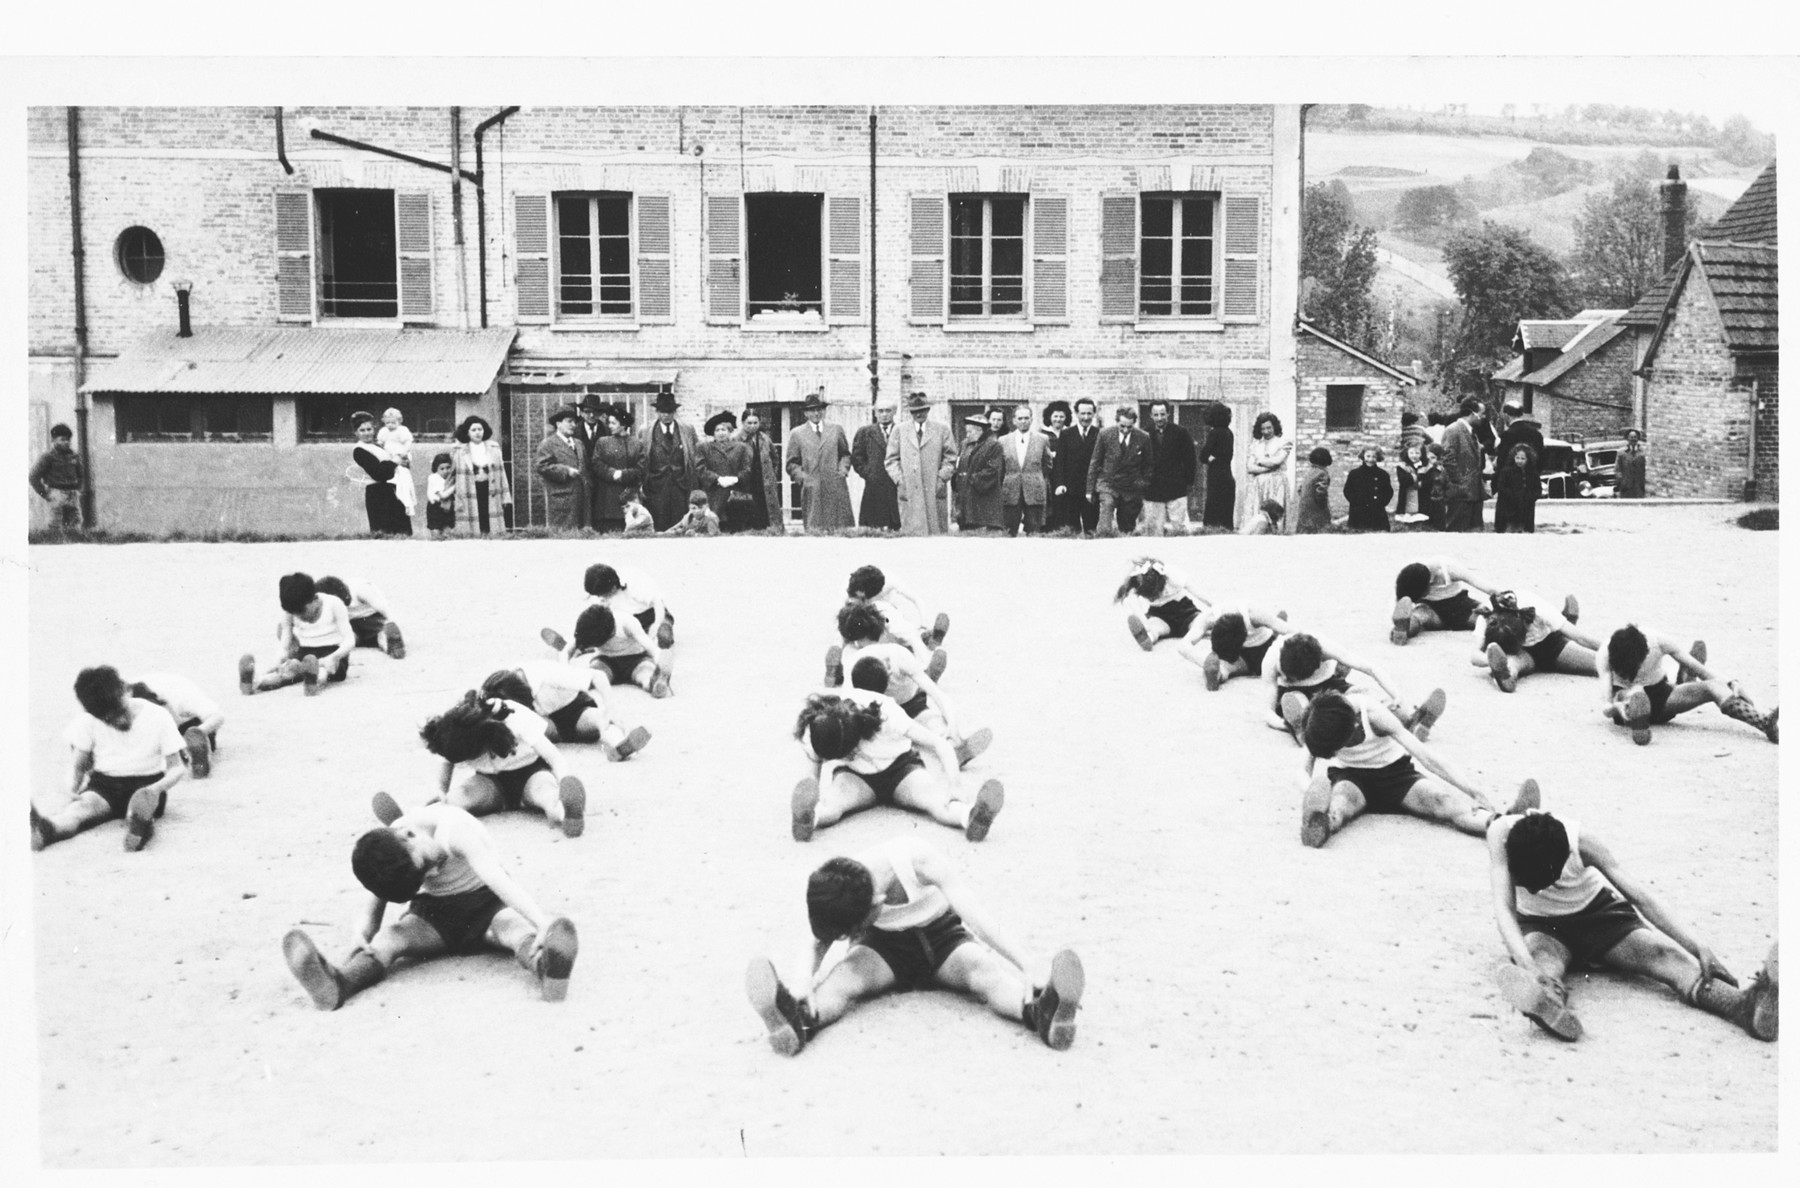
[541,793]
[82,812]
[331,986]
[846,793]
[861,975]
[1435,800]
[978,970]
[1326,807]
[589,727]
[648,677]
[1146,629]
[478,796]
[1577,660]
[931,795]
[1539,992]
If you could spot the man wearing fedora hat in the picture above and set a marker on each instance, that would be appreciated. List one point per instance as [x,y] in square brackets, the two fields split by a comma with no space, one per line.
[562,465]
[668,450]
[868,457]
[921,457]
[588,432]
[818,458]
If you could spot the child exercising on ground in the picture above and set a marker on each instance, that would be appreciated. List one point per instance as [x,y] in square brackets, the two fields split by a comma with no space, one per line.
[1564,904]
[370,619]
[1521,635]
[1369,756]
[511,762]
[1634,677]
[440,862]
[571,699]
[1239,639]
[1435,595]
[1163,605]
[909,921]
[197,716]
[315,638]
[127,755]
[616,647]
[1306,666]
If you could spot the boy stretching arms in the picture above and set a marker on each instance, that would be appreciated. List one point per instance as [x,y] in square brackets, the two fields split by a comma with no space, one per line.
[572,700]
[1634,677]
[439,861]
[1564,903]
[369,618]
[910,921]
[1306,666]
[127,757]
[902,614]
[197,716]
[1370,756]
[617,646]
[315,637]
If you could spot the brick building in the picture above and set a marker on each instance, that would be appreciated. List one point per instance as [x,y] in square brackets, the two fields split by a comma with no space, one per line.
[1347,401]
[731,255]
[1707,359]
[1573,375]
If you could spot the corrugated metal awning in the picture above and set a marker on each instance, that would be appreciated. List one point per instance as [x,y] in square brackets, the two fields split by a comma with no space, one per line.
[225,360]
[537,375]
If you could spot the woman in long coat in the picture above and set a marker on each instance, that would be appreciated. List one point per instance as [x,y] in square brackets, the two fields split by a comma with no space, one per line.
[1368,490]
[1221,484]
[921,459]
[763,479]
[980,472]
[387,515]
[617,464]
[722,466]
[484,497]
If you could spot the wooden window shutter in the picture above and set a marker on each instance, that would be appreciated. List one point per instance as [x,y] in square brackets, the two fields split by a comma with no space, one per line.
[1243,270]
[725,258]
[654,303]
[412,232]
[844,258]
[929,253]
[531,256]
[1049,259]
[293,256]
[1118,257]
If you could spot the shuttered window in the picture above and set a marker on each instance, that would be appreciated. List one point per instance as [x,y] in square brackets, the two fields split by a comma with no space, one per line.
[412,229]
[1118,257]
[926,278]
[1176,256]
[725,258]
[655,300]
[293,256]
[844,259]
[1242,301]
[1049,258]
[987,256]
[531,257]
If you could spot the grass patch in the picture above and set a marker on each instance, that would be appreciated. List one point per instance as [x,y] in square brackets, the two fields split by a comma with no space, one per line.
[1762,519]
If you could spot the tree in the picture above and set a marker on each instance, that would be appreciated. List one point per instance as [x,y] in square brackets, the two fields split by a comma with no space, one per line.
[1338,254]
[1619,244]
[1501,277]
[1741,144]
[1425,207]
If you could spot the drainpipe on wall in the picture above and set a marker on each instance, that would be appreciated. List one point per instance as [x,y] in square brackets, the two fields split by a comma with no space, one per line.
[874,293]
[79,257]
[456,217]
[281,143]
[481,205]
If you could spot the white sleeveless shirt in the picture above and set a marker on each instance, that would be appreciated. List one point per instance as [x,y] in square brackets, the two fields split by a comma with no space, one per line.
[1572,891]
[451,827]
[1375,750]
[922,904]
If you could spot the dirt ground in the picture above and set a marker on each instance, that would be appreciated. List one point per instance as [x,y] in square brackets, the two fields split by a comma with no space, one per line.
[1246,995]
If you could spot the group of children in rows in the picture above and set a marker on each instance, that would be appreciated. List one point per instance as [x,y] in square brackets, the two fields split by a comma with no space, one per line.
[1562,901]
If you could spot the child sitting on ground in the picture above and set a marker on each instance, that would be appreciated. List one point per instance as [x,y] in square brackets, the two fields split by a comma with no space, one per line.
[315,637]
[638,520]
[127,757]
[368,610]
[700,520]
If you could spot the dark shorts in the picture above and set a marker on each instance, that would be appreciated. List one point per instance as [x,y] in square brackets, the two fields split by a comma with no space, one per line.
[512,783]
[1544,652]
[334,674]
[915,705]
[1178,613]
[462,919]
[1339,683]
[368,630]
[621,667]
[884,782]
[1659,700]
[646,617]
[1253,655]
[916,953]
[117,790]
[568,717]
[1590,933]
[1455,613]
[1384,789]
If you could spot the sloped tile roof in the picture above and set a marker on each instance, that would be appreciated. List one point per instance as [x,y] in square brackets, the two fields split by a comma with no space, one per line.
[1751,219]
[286,359]
[1743,280]
[1597,335]
[1648,310]
[1556,334]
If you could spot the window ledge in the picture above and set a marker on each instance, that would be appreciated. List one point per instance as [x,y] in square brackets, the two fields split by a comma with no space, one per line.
[976,327]
[787,326]
[580,326]
[1180,326]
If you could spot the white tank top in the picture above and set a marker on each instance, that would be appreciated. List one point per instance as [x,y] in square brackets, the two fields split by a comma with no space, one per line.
[456,875]
[922,904]
[1442,585]
[1573,890]
[322,632]
[901,687]
[528,729]
[1375,750]
[1254,636]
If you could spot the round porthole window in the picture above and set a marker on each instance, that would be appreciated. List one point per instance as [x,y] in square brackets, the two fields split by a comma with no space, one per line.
[139,254]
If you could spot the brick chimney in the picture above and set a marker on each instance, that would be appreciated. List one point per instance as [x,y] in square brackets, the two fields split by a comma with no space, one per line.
[1674,212]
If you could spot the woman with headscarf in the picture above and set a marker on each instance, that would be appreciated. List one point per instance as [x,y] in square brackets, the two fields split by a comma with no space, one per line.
[1221,484]
[980,470]
[722,465]
[483,493]
[617,465]
[1267,462]
[372,466]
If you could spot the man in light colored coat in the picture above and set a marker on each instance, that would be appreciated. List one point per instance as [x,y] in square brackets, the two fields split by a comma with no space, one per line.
[1025,486]
[921,457]
[818,458]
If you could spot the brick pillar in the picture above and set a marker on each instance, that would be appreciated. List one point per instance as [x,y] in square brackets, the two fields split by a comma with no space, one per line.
[1674,212]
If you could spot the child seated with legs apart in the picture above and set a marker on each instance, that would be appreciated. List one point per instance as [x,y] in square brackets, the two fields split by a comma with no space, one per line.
[700,520]
[440,862]
[617,647]
[1565,905]
[369,615]
[1638,691]
[315,636]
[571,699]
[511,762]
[900,676]
[909,920]
[1162,605]
[127,755]
[197,716]
[1238,638]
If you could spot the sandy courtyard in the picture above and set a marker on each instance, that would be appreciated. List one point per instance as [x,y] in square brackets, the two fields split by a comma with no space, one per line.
[1245,994]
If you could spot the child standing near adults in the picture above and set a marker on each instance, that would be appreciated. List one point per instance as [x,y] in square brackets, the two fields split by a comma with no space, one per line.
[1516,491]
[1315,493]
[1369,490]
[440,498]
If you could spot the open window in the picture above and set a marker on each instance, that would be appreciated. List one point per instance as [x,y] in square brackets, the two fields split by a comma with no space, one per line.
[1344,407]
[784,255]
[354,254]
[593,259]
[359,274]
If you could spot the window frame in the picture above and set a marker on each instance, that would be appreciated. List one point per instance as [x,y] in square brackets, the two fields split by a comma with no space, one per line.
[196,406]
[1362,398]
[634,296]
[121,255]
[986,277]
[785,318]
[321,252]
[1176,279]
[417,411]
